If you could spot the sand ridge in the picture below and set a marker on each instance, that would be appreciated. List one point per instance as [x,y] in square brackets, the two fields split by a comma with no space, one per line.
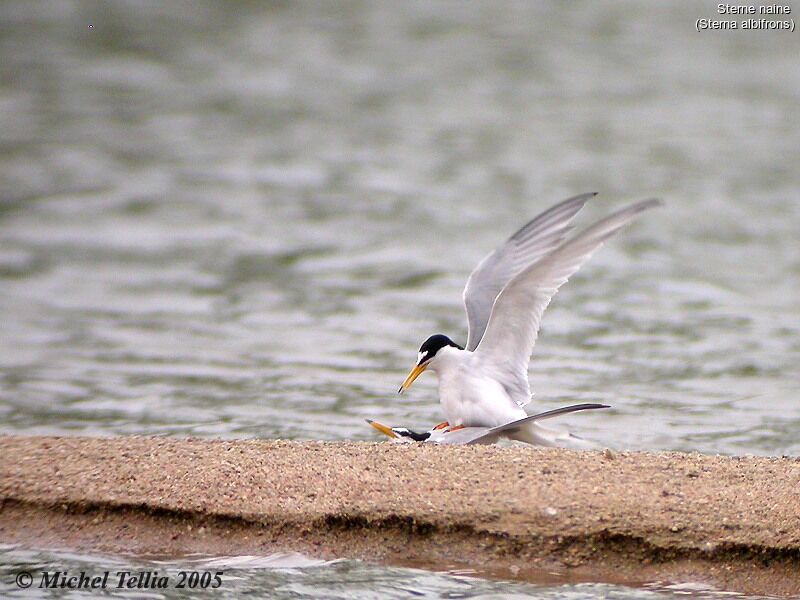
[733,522]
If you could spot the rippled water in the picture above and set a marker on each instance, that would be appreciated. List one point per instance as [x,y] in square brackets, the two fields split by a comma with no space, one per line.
[293,577]
[241,219]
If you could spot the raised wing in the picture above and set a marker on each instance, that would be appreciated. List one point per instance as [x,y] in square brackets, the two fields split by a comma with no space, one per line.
[534,240]
[513,326]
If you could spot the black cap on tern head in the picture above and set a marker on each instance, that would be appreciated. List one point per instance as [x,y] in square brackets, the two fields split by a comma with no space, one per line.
[432,345]
[427,352]
[404,432]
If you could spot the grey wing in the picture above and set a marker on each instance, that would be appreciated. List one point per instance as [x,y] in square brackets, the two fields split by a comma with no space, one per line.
[548,414]
[489,435]
[513,326]
[534,240]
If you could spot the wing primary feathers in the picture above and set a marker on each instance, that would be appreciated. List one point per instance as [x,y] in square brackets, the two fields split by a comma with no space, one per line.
[511,331]
[563,210]
[548,414]
[534,240]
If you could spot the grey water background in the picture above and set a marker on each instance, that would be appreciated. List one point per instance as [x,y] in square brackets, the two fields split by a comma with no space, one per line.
[241,219]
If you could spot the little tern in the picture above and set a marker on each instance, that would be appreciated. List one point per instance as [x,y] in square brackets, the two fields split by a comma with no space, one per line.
[441,434]
[485,384]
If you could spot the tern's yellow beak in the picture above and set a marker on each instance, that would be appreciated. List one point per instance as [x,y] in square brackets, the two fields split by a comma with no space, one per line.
[383,428]
[415,372]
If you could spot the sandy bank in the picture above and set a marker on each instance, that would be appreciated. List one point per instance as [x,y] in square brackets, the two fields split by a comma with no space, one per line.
[730,522]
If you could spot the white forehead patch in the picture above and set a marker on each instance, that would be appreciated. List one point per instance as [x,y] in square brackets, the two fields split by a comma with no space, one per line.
[421,356]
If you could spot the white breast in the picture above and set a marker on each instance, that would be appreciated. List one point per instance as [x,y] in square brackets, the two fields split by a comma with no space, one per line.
[469,397]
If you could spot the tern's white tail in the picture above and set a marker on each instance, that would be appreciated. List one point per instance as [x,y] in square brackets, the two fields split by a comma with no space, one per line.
[539,435]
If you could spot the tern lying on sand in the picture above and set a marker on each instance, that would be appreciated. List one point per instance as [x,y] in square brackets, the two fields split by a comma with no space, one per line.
[441,434]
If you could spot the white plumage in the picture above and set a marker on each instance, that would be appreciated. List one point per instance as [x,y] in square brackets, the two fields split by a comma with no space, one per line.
[486,383]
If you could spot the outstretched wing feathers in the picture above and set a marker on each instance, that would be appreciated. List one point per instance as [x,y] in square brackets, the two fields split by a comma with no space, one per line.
[531,242]
[548,414]
[513,325]
[489,435]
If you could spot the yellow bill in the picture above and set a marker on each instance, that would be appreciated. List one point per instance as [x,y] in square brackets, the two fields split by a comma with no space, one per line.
[383,428]
[415,372]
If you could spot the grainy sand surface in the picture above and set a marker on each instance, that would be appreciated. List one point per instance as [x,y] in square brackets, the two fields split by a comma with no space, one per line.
[512,512]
